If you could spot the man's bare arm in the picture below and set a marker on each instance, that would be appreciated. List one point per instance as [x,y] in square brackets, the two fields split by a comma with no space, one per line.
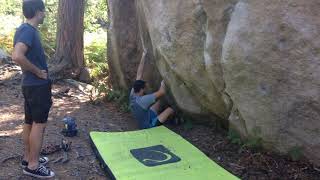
[141,65]
[19,57]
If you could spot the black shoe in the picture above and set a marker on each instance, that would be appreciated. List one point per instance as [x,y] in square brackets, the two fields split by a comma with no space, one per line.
[41,172]
[42,161]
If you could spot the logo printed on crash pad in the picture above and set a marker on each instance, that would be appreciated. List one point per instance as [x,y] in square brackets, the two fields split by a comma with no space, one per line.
[154,155]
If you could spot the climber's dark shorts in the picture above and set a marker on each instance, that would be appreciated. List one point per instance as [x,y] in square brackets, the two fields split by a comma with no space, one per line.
[37,103]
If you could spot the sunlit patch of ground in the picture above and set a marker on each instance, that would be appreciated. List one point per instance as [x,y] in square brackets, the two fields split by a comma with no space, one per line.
[89,117]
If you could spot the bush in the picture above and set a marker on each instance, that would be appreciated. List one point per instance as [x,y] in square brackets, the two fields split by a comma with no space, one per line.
[120,97]
[95,54]
[234,137]
[295,153]
[254,141]
[6,42]
[8,24]
[188,124]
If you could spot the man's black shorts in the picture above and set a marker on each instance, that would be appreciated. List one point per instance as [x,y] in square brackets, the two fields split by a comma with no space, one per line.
[37,103]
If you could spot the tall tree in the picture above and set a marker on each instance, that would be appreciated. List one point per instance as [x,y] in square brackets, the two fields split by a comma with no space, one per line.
[69,59]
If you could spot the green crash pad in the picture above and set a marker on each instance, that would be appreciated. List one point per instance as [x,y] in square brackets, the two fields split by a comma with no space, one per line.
[152,154]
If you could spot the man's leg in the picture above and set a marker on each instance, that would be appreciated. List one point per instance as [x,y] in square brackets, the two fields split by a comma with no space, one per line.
[25,136]
[40,109]
[27,123]
[35,140]
[163,117]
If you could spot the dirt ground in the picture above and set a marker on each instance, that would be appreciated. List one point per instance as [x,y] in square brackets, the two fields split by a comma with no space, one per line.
[105,116]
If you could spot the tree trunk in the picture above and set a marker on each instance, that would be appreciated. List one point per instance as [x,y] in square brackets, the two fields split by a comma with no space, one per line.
[69,58]
[124,46]
[127,35]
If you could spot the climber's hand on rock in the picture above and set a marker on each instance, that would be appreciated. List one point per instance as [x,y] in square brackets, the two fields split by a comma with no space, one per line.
[145,50]
[161,91]
[163,84]
[163,87]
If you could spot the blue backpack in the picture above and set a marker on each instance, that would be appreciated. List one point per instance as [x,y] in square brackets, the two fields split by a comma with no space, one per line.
[70,127]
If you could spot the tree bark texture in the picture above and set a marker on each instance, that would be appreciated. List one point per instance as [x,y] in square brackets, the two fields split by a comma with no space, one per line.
[69,57]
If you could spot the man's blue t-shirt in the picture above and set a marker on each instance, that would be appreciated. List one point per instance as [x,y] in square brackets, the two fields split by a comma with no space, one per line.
[29,36]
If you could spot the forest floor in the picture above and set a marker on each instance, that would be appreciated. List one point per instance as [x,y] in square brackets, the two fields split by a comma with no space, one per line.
[105,116]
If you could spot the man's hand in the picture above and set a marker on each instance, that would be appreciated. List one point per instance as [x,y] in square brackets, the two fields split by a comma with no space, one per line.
[163,85]
[42,74]
[161,91]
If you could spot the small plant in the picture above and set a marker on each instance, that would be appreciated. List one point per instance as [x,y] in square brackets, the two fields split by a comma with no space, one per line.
[125,107]
[296,153]
[234,137]
[120,97]
[6,42]
[254,141]
[187,124]
[101,87]
[95,55]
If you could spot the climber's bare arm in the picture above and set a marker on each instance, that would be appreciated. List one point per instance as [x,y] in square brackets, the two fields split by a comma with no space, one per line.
[141,65]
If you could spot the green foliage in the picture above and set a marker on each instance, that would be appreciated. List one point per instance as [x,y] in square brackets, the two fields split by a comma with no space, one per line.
[234,137]
[48,29]
[6,42]
[95,36]
[96,52]
[296,153]
[100,70]
[96,15]
[10,7]
[120,97]
[101,87]
[95,55]
[254,141]
[10,18]
[187,124]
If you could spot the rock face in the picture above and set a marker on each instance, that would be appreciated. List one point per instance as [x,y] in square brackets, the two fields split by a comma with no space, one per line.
[253,63]
[271,62]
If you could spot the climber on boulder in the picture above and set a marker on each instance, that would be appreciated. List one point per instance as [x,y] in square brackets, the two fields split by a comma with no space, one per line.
[146,108]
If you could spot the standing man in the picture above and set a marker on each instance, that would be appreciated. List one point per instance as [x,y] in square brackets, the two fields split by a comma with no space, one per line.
[36,87]
[146,108]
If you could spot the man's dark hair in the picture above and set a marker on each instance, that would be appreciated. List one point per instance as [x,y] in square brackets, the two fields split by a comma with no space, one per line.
[30,7]
[138,85]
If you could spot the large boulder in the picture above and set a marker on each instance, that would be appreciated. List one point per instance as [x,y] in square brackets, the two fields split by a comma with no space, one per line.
[253,63]
[271,63]
[185,50]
